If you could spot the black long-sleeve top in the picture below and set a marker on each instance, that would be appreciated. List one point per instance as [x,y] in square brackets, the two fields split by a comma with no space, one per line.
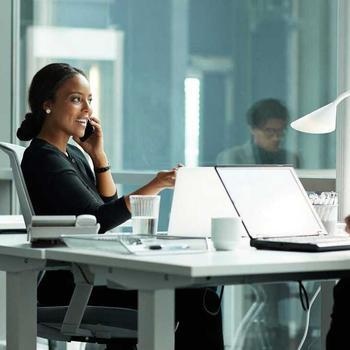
[61,185]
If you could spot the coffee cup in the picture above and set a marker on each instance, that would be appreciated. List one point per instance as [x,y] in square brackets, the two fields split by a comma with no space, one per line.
[226,232]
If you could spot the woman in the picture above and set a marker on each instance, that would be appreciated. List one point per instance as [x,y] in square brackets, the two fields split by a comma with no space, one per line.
[61,182]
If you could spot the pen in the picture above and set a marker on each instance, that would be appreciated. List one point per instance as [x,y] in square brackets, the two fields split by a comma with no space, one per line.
[168,246]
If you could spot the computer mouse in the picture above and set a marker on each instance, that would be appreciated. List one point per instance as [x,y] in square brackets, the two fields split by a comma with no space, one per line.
[85,220]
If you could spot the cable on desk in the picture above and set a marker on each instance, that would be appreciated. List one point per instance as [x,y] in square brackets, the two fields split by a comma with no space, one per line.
[308,318]
[304,299]
[213,313]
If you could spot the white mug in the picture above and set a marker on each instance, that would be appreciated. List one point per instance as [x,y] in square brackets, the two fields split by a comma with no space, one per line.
[226,232]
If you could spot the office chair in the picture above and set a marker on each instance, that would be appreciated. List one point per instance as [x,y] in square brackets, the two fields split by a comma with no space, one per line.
[76,321]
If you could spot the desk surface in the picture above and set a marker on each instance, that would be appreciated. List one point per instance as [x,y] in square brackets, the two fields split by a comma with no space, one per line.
[16,245]
[11,222]
[242,262]
[155,277]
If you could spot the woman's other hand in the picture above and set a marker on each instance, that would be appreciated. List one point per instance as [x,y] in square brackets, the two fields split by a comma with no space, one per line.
[165,179]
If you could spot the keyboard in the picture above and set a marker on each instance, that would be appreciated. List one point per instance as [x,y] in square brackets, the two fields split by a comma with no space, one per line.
[312,239]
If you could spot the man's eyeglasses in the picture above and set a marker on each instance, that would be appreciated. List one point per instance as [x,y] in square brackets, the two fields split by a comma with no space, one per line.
[270,132]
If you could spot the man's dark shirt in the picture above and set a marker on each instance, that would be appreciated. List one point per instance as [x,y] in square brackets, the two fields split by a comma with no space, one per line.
[61,185]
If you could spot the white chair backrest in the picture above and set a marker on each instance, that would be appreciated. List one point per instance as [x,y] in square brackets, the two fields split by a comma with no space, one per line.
[15,153]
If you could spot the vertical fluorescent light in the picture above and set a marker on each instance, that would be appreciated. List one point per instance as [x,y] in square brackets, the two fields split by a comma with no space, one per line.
[95,85]
[192,112]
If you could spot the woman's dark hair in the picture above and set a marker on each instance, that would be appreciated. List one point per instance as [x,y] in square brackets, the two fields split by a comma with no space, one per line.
[43,88]
[260,112]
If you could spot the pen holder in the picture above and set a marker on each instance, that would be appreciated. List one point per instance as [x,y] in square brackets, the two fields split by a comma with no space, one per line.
[328,214]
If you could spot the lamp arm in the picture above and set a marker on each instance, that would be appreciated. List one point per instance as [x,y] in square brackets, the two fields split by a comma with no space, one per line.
[342,97]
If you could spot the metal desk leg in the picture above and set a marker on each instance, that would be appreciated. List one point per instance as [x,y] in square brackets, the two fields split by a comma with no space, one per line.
[21,313]
[156,319]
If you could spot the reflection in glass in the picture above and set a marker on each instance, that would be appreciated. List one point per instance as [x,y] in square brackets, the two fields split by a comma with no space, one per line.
[267,120]
[243,52]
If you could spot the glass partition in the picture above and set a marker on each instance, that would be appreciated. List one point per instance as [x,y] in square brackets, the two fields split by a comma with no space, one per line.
[199,82]
[177,80]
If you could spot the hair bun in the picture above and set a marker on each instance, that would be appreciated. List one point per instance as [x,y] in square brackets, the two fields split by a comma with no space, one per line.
[29,127]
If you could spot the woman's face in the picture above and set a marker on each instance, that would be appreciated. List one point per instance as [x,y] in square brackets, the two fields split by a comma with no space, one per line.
[71,107]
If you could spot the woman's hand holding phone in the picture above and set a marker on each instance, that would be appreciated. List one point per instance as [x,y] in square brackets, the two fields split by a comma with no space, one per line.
[92,141]
[89,130]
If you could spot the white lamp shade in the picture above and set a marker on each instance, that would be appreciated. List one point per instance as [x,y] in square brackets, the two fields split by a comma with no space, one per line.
[320,121]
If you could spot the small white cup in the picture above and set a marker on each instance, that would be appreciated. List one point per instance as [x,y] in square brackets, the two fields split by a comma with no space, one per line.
[226,232]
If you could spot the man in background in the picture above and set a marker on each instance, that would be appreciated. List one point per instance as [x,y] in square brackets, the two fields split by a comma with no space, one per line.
[267,120]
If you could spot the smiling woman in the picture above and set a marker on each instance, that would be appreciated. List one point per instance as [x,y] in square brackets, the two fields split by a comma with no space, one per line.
[61,182]
[69,110]
[60,101]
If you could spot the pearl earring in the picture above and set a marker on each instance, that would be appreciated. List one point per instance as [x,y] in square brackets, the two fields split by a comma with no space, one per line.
[48,110]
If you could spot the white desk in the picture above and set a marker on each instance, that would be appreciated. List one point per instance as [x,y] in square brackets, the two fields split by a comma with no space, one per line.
[155,277]
[11,222]
[21,264]
[6,222]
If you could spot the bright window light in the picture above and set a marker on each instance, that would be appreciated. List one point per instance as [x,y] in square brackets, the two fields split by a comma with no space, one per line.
[95,84]
[192,113]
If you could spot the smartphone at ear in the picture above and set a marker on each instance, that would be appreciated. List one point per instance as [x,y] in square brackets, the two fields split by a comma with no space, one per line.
[89,130]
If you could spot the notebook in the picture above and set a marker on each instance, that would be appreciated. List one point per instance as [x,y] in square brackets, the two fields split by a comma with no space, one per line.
[198,196]
[275,209]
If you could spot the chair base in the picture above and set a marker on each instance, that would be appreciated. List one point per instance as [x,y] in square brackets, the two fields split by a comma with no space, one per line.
[118,329]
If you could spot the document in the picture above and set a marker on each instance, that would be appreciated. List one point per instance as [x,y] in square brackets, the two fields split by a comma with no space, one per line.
[126,243]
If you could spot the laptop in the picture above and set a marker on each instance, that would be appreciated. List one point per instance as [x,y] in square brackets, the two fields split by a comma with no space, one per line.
[275,209]
[198,196]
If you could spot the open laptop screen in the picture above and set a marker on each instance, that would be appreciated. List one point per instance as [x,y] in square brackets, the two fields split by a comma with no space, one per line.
[270,200]
[198,196]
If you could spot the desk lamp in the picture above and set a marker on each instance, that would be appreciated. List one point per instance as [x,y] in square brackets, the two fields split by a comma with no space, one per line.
[321,120]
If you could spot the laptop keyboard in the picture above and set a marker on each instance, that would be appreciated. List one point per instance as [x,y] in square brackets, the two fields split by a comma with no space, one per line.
[312,239]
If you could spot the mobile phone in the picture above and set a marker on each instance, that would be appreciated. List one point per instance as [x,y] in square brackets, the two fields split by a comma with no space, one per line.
[89,130]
